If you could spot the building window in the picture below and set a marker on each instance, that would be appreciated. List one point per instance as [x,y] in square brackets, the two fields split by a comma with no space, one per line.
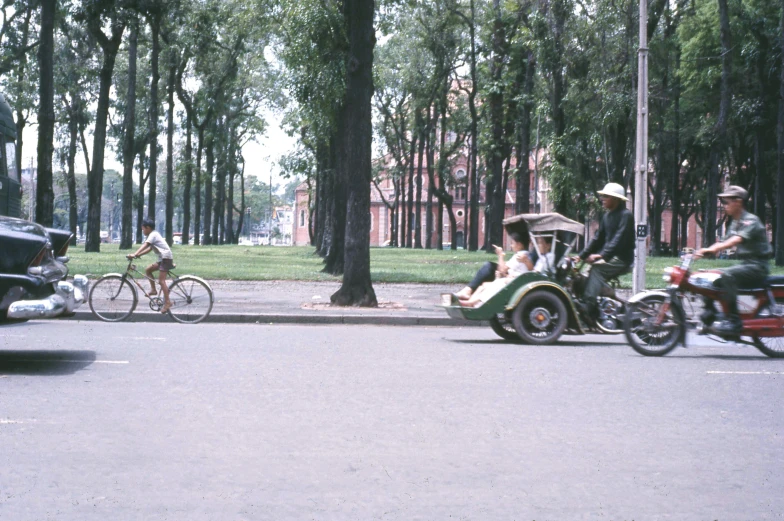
[302,218]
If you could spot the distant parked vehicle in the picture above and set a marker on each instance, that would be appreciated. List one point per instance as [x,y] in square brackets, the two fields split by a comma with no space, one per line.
[33,272]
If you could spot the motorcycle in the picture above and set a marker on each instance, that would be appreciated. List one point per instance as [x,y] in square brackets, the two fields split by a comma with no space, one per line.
[656,321]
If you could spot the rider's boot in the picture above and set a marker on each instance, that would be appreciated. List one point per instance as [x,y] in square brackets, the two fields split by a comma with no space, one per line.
[708,315]
[732,324]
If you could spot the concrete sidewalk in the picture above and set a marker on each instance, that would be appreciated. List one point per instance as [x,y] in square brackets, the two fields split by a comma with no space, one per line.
[268,302]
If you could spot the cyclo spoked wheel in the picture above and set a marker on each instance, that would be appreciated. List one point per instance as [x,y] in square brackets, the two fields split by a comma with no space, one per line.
[112,298]
[540,318]
[504,327]
[771,346]
[191,300]
[644,332]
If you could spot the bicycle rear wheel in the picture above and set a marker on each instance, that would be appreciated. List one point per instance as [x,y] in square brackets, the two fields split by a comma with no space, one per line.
[113,298]
[191,300]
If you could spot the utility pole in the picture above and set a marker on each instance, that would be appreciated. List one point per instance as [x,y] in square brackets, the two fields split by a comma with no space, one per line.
[641,155]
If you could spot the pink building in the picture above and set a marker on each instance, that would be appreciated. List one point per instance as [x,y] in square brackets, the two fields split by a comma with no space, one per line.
[380,214]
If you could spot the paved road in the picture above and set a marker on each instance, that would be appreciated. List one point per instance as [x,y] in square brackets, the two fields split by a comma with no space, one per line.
[242,422]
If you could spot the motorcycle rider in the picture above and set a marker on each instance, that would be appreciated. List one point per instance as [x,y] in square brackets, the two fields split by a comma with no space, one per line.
[747,234]
[611,251]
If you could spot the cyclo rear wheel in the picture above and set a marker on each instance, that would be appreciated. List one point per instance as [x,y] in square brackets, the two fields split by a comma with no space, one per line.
[191,300]
[645,333]
[503,327]
[113,298]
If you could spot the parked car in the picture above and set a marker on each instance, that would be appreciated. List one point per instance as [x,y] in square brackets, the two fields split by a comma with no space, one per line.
[33,272]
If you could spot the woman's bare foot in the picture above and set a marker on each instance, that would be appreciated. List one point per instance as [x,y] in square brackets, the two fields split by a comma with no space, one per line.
[464,293]
[166,307]
[152,293]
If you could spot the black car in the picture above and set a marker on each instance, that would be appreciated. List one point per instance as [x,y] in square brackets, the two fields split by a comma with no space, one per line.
[33,272]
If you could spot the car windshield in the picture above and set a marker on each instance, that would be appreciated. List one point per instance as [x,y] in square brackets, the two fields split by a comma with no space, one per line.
[9,156]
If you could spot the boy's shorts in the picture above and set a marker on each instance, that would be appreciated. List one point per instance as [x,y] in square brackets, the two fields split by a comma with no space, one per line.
[166,265]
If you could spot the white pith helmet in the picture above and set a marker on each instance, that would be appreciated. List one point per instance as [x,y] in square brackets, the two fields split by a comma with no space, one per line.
[613,190]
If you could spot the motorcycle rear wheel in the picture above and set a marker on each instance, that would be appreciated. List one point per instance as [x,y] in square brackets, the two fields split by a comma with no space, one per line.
[771,346]
[644,335]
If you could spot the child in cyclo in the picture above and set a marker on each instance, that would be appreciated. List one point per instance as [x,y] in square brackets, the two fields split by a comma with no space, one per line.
[155,242]
[506,272]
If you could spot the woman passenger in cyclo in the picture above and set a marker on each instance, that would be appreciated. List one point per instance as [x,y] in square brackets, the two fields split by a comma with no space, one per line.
[544,263]
[520,263]
[155,242]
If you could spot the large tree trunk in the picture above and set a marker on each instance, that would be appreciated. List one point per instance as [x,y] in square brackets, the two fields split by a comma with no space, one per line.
[70,178]
[21,119]
[675,165]
[126,236]
[473,175]
[170,151]
[523,185]
[140,201]
[417,220]
[210,153]
[95,176]
[186,196]
[152,171]
[720,129]
[44,193]
[197,196]
[410,219]
[357,289]
[780,152]
[495,101]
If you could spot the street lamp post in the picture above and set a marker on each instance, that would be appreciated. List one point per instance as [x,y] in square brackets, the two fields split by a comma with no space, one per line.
[641,155]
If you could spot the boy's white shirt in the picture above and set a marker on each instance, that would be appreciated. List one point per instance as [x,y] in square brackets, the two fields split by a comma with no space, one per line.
[159,246]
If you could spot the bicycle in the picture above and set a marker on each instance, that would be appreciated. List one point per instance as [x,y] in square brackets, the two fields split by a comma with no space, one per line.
[113,298]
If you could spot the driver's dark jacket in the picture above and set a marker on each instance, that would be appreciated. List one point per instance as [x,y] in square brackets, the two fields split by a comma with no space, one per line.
[614,238]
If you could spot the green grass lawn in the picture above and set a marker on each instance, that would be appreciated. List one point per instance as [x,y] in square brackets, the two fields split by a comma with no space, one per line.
[301,263]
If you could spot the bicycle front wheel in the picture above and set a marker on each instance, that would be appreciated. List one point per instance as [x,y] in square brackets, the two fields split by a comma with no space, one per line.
[191,300]
[113,298]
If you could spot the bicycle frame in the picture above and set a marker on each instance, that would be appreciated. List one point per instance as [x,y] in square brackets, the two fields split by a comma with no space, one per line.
[129,274]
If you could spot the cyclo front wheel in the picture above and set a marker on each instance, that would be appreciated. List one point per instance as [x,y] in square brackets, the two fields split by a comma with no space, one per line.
[191,300]
[647,332]
[113,298]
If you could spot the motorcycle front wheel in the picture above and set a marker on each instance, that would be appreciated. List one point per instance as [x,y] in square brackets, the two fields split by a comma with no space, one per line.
[645,333]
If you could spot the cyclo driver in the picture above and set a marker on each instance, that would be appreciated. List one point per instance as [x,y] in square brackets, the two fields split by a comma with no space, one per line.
[611,251]
[747,234]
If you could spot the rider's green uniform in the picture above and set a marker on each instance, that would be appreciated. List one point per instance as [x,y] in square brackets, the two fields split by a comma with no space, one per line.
[753,253]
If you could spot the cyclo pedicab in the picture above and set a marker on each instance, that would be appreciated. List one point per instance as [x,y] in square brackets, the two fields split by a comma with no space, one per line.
[537,308]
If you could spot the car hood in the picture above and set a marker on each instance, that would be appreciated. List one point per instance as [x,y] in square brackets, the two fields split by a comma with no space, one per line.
[20,242]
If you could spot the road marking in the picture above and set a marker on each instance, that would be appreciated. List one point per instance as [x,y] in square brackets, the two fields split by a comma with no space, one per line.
[10,422]
[77,361]
[744,372]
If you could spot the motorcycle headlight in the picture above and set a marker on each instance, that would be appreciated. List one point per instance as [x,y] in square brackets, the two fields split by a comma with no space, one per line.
[667,274]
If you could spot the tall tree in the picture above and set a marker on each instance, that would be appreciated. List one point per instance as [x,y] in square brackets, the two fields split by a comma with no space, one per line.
[110,45]
[357,288]
[44,206]
[129,142]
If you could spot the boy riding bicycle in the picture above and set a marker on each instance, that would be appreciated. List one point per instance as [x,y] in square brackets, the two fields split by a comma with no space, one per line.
[155,242]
